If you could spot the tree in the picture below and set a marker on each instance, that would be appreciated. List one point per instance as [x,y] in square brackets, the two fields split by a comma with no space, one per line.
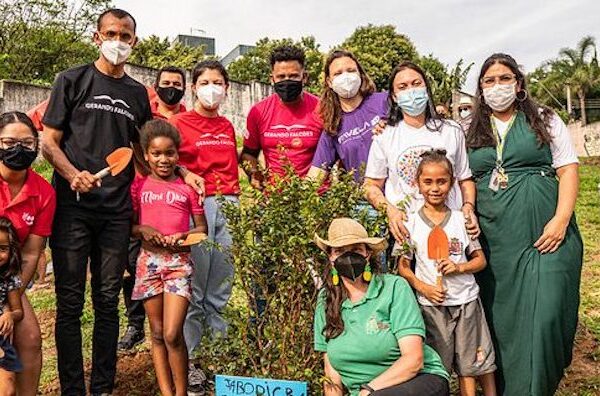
[442,81]
[582,71]
[156,53]
[379,49]
[39,38]
[255,66]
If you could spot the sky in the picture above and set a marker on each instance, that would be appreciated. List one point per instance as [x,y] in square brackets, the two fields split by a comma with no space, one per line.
[532,31]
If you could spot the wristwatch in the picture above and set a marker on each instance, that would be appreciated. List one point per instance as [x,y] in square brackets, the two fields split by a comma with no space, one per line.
[367,388]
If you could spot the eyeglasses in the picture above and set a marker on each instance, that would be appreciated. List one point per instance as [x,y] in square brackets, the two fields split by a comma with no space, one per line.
[4,248]
[28,143]
[111,35]
[503,79]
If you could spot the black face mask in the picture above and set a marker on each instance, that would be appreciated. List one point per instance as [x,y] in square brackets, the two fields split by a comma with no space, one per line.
[288,90]
[170,95]
[17,158]
[350,265]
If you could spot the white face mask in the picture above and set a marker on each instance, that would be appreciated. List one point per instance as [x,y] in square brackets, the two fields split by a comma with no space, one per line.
[115,51]
[346,84]
[501,96]
[464,113]
[211,95]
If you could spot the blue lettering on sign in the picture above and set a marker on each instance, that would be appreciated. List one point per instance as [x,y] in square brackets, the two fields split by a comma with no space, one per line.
[227,385]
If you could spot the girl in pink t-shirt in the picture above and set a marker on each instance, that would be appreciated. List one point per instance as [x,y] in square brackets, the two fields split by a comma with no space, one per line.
[163,205]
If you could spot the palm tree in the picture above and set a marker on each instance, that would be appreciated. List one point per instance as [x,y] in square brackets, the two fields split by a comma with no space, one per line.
[582,68]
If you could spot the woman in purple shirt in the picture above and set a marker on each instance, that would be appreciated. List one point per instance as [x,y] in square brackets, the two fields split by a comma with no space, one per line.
[349,108]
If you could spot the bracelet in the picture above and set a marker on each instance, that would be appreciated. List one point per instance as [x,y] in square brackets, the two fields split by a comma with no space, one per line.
[469,203]
[367,388]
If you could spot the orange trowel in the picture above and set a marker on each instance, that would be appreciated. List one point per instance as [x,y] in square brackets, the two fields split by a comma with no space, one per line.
[117,161]
[192,239]
[438,248]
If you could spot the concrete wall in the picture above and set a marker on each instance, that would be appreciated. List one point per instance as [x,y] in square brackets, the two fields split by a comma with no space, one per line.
[586,138]
[15,95]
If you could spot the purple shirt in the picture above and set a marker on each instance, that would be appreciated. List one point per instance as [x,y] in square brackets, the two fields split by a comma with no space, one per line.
[352,143]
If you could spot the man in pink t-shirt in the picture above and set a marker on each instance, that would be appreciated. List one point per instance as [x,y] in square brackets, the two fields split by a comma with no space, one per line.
[285,125]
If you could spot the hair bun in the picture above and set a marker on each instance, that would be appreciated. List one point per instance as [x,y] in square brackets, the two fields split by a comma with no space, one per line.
[433,152]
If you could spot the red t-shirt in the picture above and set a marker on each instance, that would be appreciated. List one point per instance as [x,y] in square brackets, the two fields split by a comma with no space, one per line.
[156,113]
[273,125]
[208,149]
[165,206]
[32,210]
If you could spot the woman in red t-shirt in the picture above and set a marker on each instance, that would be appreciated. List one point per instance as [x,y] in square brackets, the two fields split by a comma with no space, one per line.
[208,148]
[28,201]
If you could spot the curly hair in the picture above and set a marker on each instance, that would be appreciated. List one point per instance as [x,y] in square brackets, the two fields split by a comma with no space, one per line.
[286,53]
[13,266]
[158,128]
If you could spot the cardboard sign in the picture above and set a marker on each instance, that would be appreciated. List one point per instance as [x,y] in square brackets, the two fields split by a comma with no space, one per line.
[227,385]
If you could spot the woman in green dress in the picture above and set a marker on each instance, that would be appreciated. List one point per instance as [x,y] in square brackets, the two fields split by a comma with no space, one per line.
[526,171]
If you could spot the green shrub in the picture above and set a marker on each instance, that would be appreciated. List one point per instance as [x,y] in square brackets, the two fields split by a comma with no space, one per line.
[273,251]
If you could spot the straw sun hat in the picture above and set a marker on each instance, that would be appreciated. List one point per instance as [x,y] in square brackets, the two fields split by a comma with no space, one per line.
[344,231]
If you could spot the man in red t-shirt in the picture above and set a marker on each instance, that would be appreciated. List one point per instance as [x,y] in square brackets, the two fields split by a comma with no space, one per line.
[170,88]
[285,125]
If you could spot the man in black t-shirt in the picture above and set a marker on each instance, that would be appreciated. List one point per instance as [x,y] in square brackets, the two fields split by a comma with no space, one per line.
[93,110]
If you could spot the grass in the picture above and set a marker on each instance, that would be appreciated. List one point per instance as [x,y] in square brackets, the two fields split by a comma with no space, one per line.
[588,216]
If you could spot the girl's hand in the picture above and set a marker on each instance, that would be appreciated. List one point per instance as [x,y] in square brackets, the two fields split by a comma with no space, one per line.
[152,236]
[553,235]
[379,127]
[173,239]
[448,267]
[6,324]
[471,222]
[433,293]
[396,219]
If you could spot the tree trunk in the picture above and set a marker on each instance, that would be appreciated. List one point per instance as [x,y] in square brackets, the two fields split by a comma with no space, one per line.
[582,106]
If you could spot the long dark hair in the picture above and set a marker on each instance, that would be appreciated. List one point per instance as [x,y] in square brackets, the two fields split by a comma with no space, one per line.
[335,296]
[395,113]
[480,132]
[330,108]
[13,267]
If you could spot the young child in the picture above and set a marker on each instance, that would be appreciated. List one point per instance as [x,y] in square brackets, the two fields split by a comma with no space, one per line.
[11,310]
[453,314]
[163,205]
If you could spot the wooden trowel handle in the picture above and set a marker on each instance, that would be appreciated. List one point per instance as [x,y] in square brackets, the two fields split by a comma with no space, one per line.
[103,173]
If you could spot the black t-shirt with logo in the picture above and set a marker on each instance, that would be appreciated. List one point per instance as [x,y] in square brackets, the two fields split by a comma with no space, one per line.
[97,114]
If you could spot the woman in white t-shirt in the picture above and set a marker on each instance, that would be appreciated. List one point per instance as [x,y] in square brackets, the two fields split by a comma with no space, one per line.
[414,127]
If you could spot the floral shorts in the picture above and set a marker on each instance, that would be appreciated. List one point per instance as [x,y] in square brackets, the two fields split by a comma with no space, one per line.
[158,273]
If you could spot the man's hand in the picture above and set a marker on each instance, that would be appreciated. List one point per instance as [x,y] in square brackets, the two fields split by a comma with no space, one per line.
[84,182]
[197,183]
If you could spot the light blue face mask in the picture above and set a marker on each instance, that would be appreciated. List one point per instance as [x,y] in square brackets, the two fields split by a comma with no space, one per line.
[413,101]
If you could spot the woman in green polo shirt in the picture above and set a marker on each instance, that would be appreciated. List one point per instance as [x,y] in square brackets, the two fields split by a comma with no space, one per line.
[369,325]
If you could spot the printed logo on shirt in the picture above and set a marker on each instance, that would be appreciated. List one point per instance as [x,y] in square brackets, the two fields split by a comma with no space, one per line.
[408,162]
[456,247]
[99,103]
[219,139]
[375,326]
[171,197]
[357,132]
[281,131]
[28,218]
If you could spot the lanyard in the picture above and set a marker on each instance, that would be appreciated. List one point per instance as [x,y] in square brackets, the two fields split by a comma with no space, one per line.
[499,141]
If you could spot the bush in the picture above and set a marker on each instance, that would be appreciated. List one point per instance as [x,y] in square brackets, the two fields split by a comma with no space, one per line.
[275,258]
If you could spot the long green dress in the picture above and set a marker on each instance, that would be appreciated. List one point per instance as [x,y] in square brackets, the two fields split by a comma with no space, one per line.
[530,299]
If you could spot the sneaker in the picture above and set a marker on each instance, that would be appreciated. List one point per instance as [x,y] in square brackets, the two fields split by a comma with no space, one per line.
[130,339]
[196,381]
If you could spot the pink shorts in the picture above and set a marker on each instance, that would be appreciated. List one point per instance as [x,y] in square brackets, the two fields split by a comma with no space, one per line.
[158,273]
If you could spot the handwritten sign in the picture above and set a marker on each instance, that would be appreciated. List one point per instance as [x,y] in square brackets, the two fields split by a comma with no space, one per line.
[227,385]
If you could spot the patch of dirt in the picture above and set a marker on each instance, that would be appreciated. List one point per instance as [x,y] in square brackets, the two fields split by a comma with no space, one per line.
[584,373]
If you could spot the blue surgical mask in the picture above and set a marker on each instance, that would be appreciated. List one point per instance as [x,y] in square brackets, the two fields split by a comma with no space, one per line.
[413,101]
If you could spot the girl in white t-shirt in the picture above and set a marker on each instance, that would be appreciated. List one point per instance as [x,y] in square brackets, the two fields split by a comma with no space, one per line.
[413,127]
[446,288]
